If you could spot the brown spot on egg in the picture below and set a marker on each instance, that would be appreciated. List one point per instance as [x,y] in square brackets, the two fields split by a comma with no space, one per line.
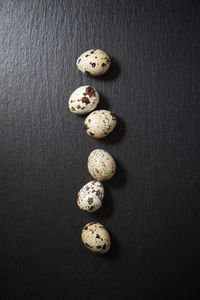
[90,201]
[93,64]
[91,207]
[85,100]
[86,228]
[72,108]
[78,106]
[112,114]
[86,127]
[87,188]
[79,60]
[103,65]
[91,133]
[104,247]
[98,247]
[92,51]
[98,236]
[88,245]
[87,72]
[89,91]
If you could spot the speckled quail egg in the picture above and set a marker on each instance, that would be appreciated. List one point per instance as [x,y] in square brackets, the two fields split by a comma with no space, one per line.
[100,123]
[94,62]
[101,165]
[83,100]
[90,196]
[96,238]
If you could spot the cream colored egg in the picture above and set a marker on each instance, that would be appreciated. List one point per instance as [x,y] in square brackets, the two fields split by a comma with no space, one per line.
[101,165]
[90,196]
[100,123]
[94,62]
[96,238]
[83,100]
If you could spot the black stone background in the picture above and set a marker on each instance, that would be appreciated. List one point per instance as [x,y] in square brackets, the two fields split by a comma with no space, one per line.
[151,207]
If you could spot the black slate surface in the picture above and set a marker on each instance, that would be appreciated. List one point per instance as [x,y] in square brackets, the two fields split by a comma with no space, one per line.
[151,208]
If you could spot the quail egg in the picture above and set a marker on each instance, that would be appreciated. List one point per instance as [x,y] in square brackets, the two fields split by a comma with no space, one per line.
[94,62]
[90,196]
[100,123]
[83,100]
[101,165]
[96,238]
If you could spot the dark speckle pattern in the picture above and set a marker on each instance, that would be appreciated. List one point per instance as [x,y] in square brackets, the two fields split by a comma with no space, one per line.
[97,237]
[87,199]
[94,62]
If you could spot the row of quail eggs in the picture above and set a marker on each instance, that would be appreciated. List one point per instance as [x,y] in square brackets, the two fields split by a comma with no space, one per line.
[101,165]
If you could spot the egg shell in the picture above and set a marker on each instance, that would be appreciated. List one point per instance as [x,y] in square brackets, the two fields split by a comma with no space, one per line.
[90,196]
[100,123]
[96,238]
[83,100]
[94,62]
[101,165]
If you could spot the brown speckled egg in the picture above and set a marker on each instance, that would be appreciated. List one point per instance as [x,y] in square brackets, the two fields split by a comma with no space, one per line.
[90,196]
[101,165]
[83,100]
[100,123]
[96,238]
[94,62]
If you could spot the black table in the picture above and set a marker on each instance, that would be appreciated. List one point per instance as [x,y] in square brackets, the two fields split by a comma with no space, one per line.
[151,206]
